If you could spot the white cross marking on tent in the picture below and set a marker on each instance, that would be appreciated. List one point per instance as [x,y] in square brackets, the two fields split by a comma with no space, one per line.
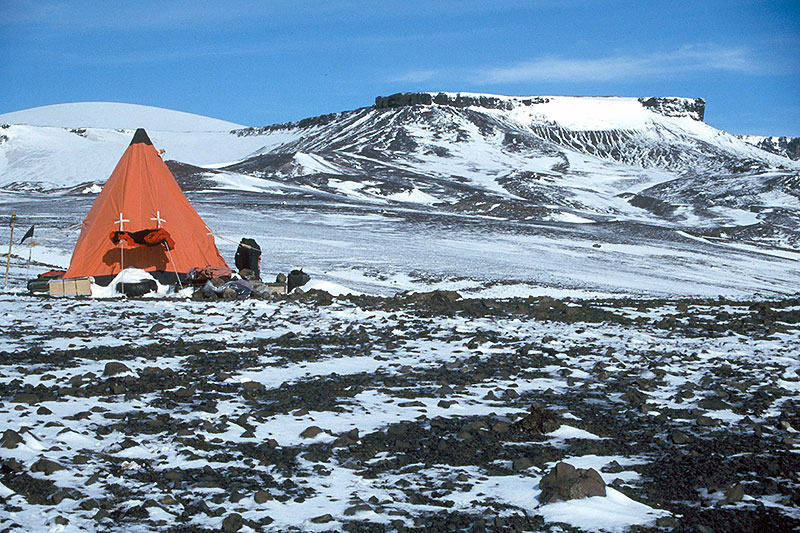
[121,221]
[158,219]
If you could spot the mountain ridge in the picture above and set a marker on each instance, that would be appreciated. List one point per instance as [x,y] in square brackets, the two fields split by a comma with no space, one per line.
[781,145]
[649,160]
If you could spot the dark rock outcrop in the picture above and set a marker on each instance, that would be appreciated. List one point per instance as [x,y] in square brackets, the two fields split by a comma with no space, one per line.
[785,146]
[455,100]
[538,421]
[565,482]
[676,107]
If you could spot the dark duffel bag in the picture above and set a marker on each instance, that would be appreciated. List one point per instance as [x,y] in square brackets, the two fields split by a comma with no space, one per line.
[139,288]
[248,256]
[297,278]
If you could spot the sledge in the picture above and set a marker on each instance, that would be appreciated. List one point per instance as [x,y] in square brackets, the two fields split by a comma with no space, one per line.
[41,285]
[70,287]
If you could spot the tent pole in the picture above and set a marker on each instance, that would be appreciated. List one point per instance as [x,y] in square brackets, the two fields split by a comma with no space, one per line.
[10,242]
[121,221]
[171,260]
[28,266]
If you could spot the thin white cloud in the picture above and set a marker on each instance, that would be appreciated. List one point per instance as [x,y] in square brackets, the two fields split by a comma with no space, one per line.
[618,67]
[692,58]
[415,76]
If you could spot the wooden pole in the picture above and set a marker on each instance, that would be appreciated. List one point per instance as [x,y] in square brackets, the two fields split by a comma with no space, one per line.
[10,242]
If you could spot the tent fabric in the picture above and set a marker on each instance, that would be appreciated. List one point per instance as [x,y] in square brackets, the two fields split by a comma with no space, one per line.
[142,194]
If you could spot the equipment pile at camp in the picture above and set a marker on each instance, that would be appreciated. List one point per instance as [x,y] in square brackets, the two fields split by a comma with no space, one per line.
[143,237]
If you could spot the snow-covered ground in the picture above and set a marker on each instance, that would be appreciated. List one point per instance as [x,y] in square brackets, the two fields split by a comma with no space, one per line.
[164,413]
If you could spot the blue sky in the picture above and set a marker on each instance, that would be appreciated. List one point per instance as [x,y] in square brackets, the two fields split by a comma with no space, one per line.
[258,63]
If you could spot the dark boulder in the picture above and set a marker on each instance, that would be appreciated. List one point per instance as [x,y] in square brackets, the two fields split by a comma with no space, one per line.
[538,421]
[565,482]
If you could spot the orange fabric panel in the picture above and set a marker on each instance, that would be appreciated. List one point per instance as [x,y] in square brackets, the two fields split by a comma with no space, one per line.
[142,188]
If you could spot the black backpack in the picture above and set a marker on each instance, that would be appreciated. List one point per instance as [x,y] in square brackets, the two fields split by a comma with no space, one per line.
[297,278]
[248,256]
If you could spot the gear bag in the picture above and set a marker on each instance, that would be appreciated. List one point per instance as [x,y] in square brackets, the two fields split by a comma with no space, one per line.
[297,278]
[248,256]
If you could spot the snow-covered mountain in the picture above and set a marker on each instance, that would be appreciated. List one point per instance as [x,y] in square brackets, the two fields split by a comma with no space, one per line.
[650,160]
[785,146]
[113,115]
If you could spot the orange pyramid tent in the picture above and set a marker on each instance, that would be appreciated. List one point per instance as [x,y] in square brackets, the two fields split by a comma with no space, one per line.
[142,219]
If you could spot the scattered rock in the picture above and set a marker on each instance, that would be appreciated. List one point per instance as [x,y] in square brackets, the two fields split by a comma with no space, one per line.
[444,390]
[634,397]
[712,404]
[115,367]
[322,519]
[679,437]
[538,421]
[10,439]
[565,482]
[184,392]
[667,522]
[500,427]
[232,523]
[310,432]
[735,493]
[46,466]
[26,397]
[157,327]
[437,296]
[350,511]
[613,468]
[59,496]
[521,463]
[707,421]
[262,496]
[415,403]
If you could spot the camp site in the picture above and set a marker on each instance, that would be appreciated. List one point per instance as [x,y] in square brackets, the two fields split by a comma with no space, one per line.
[410,267]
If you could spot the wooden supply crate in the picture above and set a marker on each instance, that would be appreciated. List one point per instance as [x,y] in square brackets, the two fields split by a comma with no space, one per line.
[70,287]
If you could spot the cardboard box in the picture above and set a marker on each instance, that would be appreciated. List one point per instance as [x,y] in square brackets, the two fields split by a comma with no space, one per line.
[70,287]
[276,288]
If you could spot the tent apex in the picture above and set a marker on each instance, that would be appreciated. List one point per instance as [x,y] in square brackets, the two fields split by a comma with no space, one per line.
[141,137]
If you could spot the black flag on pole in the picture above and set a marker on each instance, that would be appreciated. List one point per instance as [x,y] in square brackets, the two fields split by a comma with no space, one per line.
[28,234]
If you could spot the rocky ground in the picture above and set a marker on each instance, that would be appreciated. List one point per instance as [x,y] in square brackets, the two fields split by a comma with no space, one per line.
[413,413]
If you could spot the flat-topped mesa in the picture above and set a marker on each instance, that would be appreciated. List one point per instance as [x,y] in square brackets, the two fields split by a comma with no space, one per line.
[668,106]
[671,106]
[456,100]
